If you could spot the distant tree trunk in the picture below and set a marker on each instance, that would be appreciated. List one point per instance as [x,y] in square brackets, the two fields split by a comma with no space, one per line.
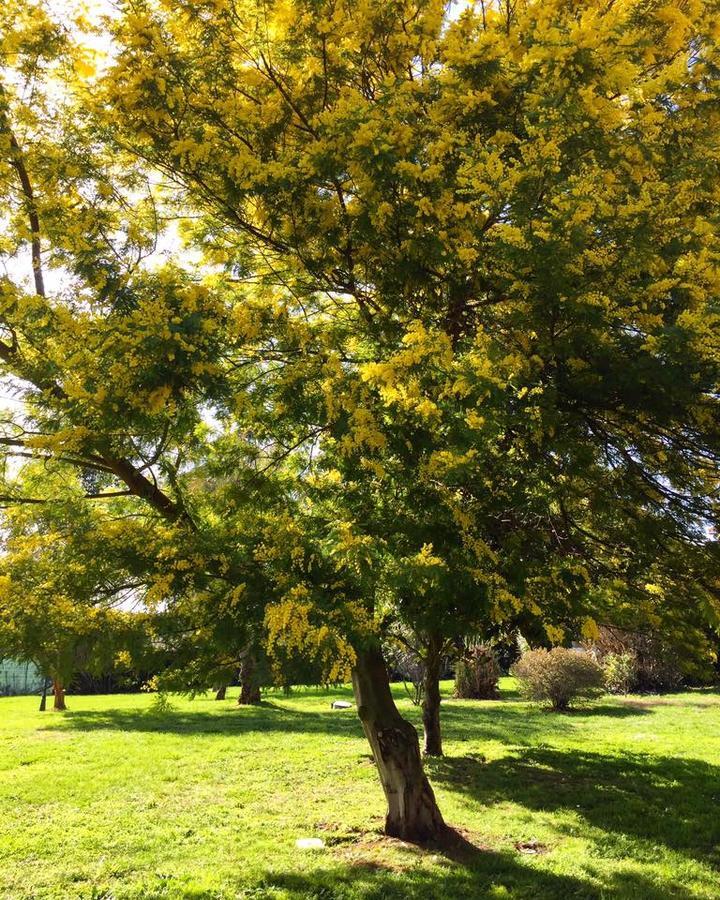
[221,692]
[431,699]
[59,694]
[43,698]
[249,687]
[413,813]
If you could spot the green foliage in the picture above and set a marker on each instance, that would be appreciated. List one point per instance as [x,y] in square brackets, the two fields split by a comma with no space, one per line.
[62,581]
[660,659]
[620,672]
[477,674]
[161,704]
[440,341]
[558,676]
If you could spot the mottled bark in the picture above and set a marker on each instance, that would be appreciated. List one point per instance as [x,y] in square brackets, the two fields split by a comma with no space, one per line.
[413,813]
[221,692]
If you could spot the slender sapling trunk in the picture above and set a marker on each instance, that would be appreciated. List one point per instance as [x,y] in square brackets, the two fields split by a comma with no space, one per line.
[431,700]
[43,698]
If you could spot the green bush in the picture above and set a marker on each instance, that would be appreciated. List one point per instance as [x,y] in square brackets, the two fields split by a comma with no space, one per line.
[657,663]
[477,674]
[620,672]
[558,676]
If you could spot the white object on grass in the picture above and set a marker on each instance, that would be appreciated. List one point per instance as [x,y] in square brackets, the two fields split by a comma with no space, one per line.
[310,844]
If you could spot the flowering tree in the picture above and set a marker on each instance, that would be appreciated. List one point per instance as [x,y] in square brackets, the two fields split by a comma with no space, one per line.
[445,345]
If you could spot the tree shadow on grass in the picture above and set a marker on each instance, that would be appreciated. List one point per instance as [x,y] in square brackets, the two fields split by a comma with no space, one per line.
[266,718]
[517,723]
[509,722]
[481,874]
[651,799]
[604,710]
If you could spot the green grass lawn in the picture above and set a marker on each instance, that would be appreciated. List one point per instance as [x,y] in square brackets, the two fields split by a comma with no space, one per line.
[116,800]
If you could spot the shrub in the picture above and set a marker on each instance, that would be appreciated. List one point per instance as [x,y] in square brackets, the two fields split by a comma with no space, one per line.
[620,672]
[161,704]
[477,674]
[559,676]
[405,663]
[657,664]
[411,669]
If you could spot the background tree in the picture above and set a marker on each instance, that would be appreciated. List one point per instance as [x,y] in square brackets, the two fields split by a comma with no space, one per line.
[58,610]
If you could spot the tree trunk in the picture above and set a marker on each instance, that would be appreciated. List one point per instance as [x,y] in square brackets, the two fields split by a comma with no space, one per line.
[43,698]
[249,687]
[59,694]
[221,692]
[413,813]
[431,700]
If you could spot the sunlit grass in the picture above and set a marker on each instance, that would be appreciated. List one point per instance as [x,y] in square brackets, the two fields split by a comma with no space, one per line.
[116,800]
